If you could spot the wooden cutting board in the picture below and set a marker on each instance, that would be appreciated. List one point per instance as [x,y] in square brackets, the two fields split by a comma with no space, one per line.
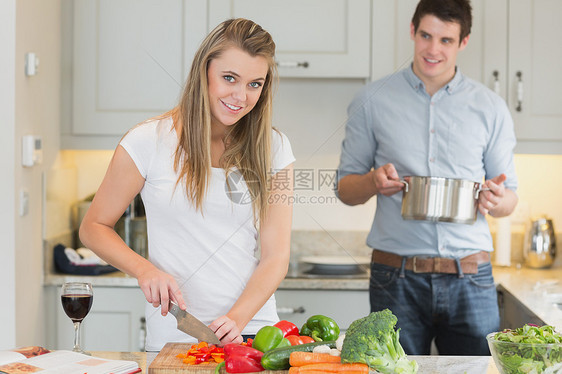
[166,362]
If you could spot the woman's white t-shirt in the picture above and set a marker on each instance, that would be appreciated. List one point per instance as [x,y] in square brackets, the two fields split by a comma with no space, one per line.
[210,254]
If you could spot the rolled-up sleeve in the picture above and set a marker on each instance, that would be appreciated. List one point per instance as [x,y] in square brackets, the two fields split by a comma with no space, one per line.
[359,144]
[498,156]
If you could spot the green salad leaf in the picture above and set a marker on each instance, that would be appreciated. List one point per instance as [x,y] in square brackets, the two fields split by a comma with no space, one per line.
[529,356]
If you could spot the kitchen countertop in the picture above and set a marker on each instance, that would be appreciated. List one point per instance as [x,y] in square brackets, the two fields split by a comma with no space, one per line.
[427,364]
[119,279]
[540,290]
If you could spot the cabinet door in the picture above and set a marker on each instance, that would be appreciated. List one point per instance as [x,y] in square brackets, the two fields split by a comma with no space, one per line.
[535,52]
[314,38]
[344,306]
[130,60]
[113,324]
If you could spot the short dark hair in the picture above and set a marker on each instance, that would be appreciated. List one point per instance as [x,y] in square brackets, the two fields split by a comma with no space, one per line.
[458,11]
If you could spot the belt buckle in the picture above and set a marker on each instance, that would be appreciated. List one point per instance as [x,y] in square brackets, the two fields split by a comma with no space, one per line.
[414,264]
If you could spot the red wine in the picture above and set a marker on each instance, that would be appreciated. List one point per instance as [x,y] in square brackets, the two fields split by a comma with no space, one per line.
[76,306]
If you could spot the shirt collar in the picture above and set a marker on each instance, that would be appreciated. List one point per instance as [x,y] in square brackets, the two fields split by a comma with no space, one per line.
[417,83]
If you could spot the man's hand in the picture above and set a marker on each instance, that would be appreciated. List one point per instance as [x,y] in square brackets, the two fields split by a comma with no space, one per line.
[387,181]
[488,200]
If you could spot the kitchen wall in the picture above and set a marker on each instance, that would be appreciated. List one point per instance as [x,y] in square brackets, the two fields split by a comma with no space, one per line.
[29,106]
[7,162]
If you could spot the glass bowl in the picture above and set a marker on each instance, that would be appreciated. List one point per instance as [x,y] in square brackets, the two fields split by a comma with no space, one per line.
[519,358]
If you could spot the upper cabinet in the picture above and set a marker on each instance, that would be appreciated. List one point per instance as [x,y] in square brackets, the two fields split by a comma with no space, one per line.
[534,75]
[124,61]
[314,38]
[513,49]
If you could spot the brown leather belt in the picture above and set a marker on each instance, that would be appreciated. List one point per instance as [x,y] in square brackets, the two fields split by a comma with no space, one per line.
[423,264]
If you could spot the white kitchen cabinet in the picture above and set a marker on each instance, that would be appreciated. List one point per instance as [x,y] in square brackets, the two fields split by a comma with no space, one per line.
[113,324]
[124,61]
[508,36]
[343,306]
[314,38]
[535,51]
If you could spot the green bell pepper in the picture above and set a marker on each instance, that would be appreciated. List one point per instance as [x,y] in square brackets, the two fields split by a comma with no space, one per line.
[268,338]
[321,328]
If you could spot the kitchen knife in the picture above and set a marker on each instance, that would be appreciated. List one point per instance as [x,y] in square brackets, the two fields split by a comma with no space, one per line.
[192,326]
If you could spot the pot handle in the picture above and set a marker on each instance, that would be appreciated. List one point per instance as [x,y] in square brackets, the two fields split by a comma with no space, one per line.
[405,184]
[477,192]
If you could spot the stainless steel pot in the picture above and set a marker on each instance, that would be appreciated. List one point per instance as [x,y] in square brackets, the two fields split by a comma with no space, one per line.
[440,199]
[540,244]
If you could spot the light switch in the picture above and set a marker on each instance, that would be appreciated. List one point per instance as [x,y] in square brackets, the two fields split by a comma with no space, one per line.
[31,150]
[31,64]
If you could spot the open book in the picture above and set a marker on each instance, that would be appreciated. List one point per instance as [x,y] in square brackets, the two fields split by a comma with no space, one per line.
[62,362]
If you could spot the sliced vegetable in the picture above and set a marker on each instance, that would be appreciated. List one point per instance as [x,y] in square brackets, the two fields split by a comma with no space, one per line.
[321,328]
[202,353]
[288,328]
[278,359]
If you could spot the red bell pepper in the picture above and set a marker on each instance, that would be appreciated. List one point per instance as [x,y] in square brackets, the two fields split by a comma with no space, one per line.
[297,340]
[234,349]
[240,359]
[288,328]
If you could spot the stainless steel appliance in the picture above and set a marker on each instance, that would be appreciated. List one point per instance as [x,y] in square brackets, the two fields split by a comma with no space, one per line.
[540,243]
[131,227]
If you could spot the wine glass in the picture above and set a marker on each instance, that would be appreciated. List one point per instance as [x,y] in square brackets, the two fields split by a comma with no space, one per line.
[77,298]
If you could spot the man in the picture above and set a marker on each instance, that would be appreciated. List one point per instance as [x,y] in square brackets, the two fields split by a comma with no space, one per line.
[430,120]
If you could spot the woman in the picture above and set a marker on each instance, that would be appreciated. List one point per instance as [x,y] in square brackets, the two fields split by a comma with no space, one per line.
[208,173]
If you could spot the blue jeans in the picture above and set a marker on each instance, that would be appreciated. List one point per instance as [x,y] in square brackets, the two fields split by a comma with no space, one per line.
[457,311]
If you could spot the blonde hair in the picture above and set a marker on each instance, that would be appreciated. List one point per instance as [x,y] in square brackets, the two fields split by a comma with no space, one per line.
[248,142]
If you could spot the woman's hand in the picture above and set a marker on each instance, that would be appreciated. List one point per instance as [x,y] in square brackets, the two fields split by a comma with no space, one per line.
[226,330]
[159,288]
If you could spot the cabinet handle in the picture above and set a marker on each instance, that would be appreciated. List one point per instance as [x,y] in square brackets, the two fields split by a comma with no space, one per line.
[519,107]
[289,310]
[292,64]
[496,75]
[142,334]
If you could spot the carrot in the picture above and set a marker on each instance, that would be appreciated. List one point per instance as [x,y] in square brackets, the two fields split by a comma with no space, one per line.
[354,369]
[294,370]
[334,367]
[306,358]
[329,367]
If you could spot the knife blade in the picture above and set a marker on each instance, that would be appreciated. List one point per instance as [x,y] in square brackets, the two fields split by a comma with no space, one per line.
[192,326]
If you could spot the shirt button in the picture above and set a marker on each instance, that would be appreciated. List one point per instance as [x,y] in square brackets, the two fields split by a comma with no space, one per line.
[431,159]
[432,131]
[432,103]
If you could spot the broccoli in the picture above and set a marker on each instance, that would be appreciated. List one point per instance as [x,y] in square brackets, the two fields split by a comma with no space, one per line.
[372,340]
